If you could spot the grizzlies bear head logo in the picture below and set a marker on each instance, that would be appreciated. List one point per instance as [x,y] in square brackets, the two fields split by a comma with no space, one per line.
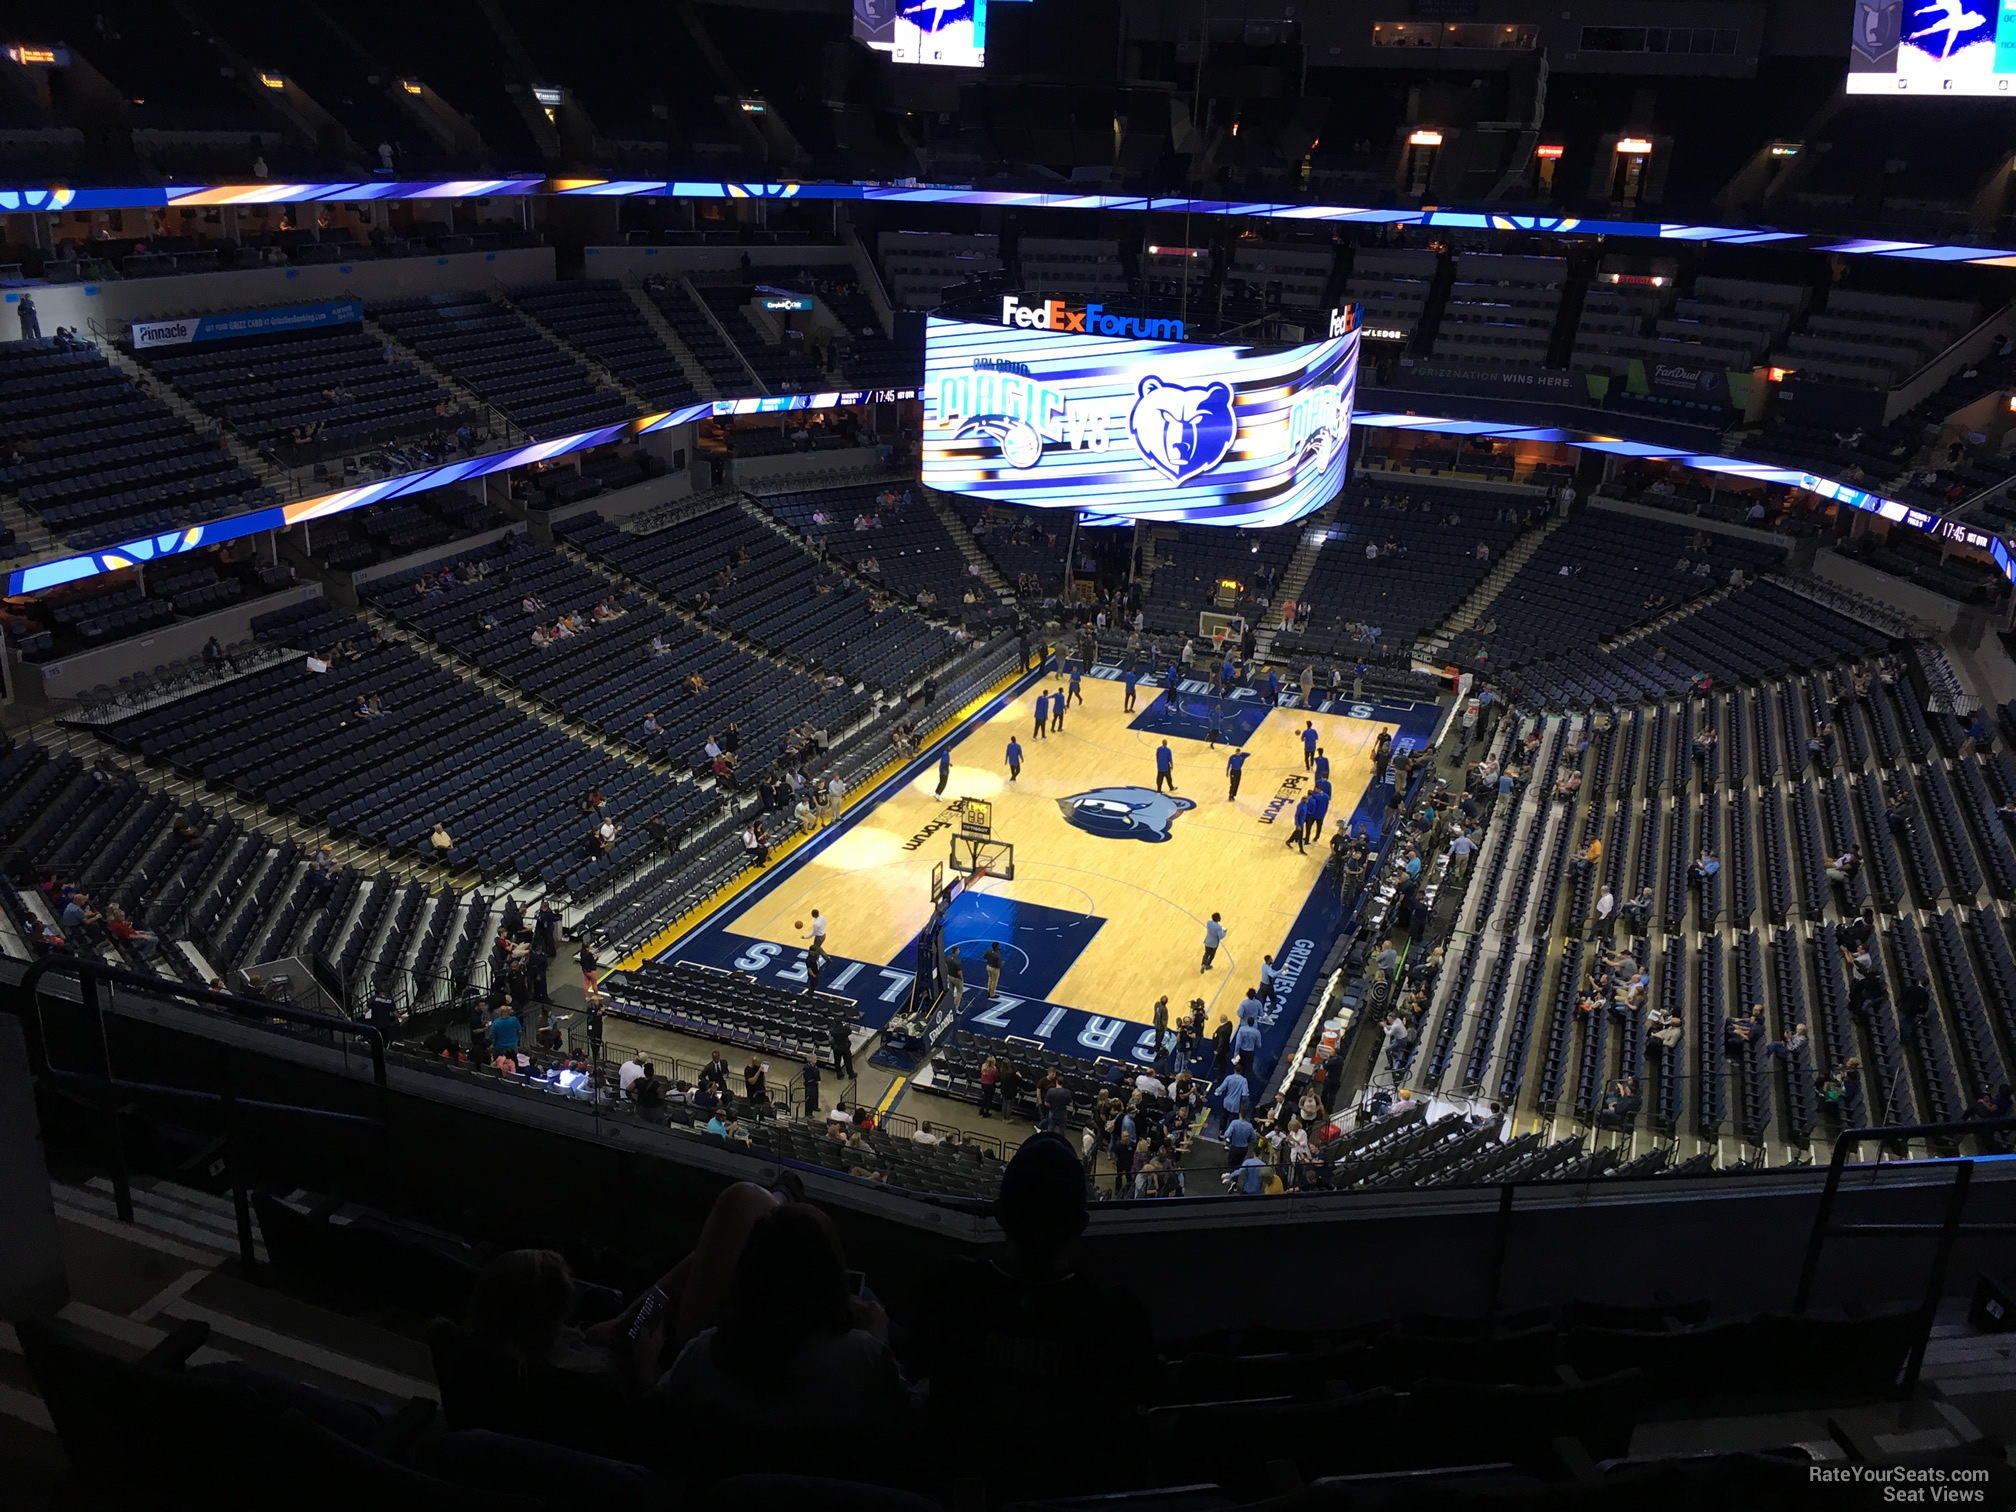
[1185,432]
[1124,813]
[1021,447]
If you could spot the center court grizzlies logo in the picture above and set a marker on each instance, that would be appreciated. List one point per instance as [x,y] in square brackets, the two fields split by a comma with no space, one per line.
[1124,813]
[1185,432]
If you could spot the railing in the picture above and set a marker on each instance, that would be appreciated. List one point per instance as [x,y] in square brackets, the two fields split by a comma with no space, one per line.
[1945,1232]
[99,1087]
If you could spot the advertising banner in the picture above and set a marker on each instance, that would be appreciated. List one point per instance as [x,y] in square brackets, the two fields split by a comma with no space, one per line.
[149,334]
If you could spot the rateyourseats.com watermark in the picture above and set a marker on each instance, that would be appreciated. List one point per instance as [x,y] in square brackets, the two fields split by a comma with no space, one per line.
[1962,1485]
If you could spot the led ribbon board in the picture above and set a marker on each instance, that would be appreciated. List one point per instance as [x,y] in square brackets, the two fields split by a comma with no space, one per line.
[1136,430]
[43,575]
[52,574]
[148,196]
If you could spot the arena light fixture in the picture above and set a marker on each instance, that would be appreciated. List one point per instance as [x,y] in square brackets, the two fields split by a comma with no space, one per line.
[27,56]
[1424,139]
[1635,146]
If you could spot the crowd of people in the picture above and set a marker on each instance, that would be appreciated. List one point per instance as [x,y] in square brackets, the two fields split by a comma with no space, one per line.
[764,1326]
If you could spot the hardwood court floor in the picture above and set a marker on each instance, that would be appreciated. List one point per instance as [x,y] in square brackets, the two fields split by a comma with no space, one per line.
[1153,896]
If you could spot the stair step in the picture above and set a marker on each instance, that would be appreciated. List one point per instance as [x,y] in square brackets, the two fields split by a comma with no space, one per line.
[662,328]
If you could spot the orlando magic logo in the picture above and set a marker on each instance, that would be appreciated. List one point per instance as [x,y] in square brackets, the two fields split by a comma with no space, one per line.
[1124,813]
[1184,432]
[1020,444]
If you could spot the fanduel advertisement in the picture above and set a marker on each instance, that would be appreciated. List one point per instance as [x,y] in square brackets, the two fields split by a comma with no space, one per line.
[1136,429]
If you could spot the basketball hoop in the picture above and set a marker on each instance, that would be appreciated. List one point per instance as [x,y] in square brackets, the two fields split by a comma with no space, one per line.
[978,856]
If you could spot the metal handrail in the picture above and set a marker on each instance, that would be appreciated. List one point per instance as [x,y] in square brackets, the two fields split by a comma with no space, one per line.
[1946,1231]
[89,972]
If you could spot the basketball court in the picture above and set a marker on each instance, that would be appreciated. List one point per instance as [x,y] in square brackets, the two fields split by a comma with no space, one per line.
[1098,887]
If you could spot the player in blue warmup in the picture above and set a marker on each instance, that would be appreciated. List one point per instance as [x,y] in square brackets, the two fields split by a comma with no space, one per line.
[1309,739]
[944,768]
[1319,807]
[1165,767]
[1014,758]
[1234,765]
[1077,691]
[1128,681]
[1322,766]
[1042,715]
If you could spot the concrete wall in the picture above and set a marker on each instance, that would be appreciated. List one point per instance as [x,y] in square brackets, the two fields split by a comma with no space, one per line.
[1938,611]
[621,503]
[115,303]
[72,676]
[1693,522]
[631,263]
[1972,347]
[1380,1253]
[456,547]
[777,474]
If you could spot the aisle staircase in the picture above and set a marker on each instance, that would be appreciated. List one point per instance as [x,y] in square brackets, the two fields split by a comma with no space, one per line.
[968,546]
[696,374]
[1295,577]
[141,377]
[1432,646]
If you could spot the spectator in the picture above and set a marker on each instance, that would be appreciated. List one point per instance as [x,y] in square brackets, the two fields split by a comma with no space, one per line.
[440,841]
[122,929]
[793,1351]
[77,914]
[519,1312]
[1621,1104]
[1003,1340]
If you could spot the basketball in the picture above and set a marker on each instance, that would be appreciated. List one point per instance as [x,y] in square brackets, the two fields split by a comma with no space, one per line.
[797,923]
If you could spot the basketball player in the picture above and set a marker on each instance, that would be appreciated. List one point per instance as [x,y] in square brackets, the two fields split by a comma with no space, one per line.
[1234,765]
[1057,712]
[1309,739]
[1042,715]
[944,769]
[1127,681]
[1300,838]
[1014,758]
[1165,768]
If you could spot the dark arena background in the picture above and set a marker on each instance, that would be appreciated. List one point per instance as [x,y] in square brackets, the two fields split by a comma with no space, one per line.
[1002,754]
